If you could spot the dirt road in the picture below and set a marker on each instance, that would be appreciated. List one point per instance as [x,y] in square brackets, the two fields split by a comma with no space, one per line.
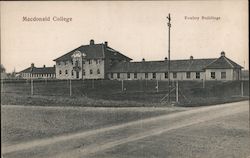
[91,143]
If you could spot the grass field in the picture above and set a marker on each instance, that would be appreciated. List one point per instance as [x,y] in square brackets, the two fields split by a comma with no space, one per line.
[215,131]
[25,123]
[109,93]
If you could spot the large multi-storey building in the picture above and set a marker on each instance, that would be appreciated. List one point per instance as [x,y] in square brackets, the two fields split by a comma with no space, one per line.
[91,61]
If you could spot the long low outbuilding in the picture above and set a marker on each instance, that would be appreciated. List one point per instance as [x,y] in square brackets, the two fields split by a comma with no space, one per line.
[33,72]
[221,68]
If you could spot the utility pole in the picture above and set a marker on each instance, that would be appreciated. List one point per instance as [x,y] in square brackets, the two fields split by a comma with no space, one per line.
[169,86]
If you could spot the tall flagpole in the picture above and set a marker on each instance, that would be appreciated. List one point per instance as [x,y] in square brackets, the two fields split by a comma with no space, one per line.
[169,86]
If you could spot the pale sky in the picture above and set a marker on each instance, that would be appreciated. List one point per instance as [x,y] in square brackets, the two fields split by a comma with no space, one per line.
[136,29]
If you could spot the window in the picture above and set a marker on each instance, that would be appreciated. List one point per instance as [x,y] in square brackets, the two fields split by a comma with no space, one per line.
[60,72]
[118,75]
[135,75]
[77,63]
[188,74]
[90,61]
[198,75]
[65,62]
[213,75]
[59,63]
[97,61]
[223,75]
[166,74]
[72,62]
[83,72]
[72,73]
[154,75]
[111,75]
[66,72]
[174,75]
[128,75]
[146,75]
[91,71]
[98,71]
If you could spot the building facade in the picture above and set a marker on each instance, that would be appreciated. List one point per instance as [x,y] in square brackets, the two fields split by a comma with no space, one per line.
[33,72]
[99,61]
[88,62]
[220,68]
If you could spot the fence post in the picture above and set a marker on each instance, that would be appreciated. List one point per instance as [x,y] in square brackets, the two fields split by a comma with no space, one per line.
[242,89]
[157,86]
[177,92]
[70,88]
[32,88]
[122,85]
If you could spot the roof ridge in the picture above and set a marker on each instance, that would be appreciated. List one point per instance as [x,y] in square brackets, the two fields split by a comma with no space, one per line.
[212,62]
[232,62]
[176,60]
[228,62]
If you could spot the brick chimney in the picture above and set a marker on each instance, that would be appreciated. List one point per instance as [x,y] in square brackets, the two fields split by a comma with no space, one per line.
[44,66]
[191,57]
[222,54]
[106,43]
[143,60]
[91,42]
[165,59]
[32,65]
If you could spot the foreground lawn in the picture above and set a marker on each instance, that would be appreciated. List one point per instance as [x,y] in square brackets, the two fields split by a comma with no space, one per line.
[26,123]
[226,137]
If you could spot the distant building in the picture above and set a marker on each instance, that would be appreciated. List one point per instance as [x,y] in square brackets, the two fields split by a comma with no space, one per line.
[223,69]
[220,68]
[33,72]
[99,61]
[88,62]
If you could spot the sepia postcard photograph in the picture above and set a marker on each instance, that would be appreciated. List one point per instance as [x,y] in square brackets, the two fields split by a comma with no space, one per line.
[125,79]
